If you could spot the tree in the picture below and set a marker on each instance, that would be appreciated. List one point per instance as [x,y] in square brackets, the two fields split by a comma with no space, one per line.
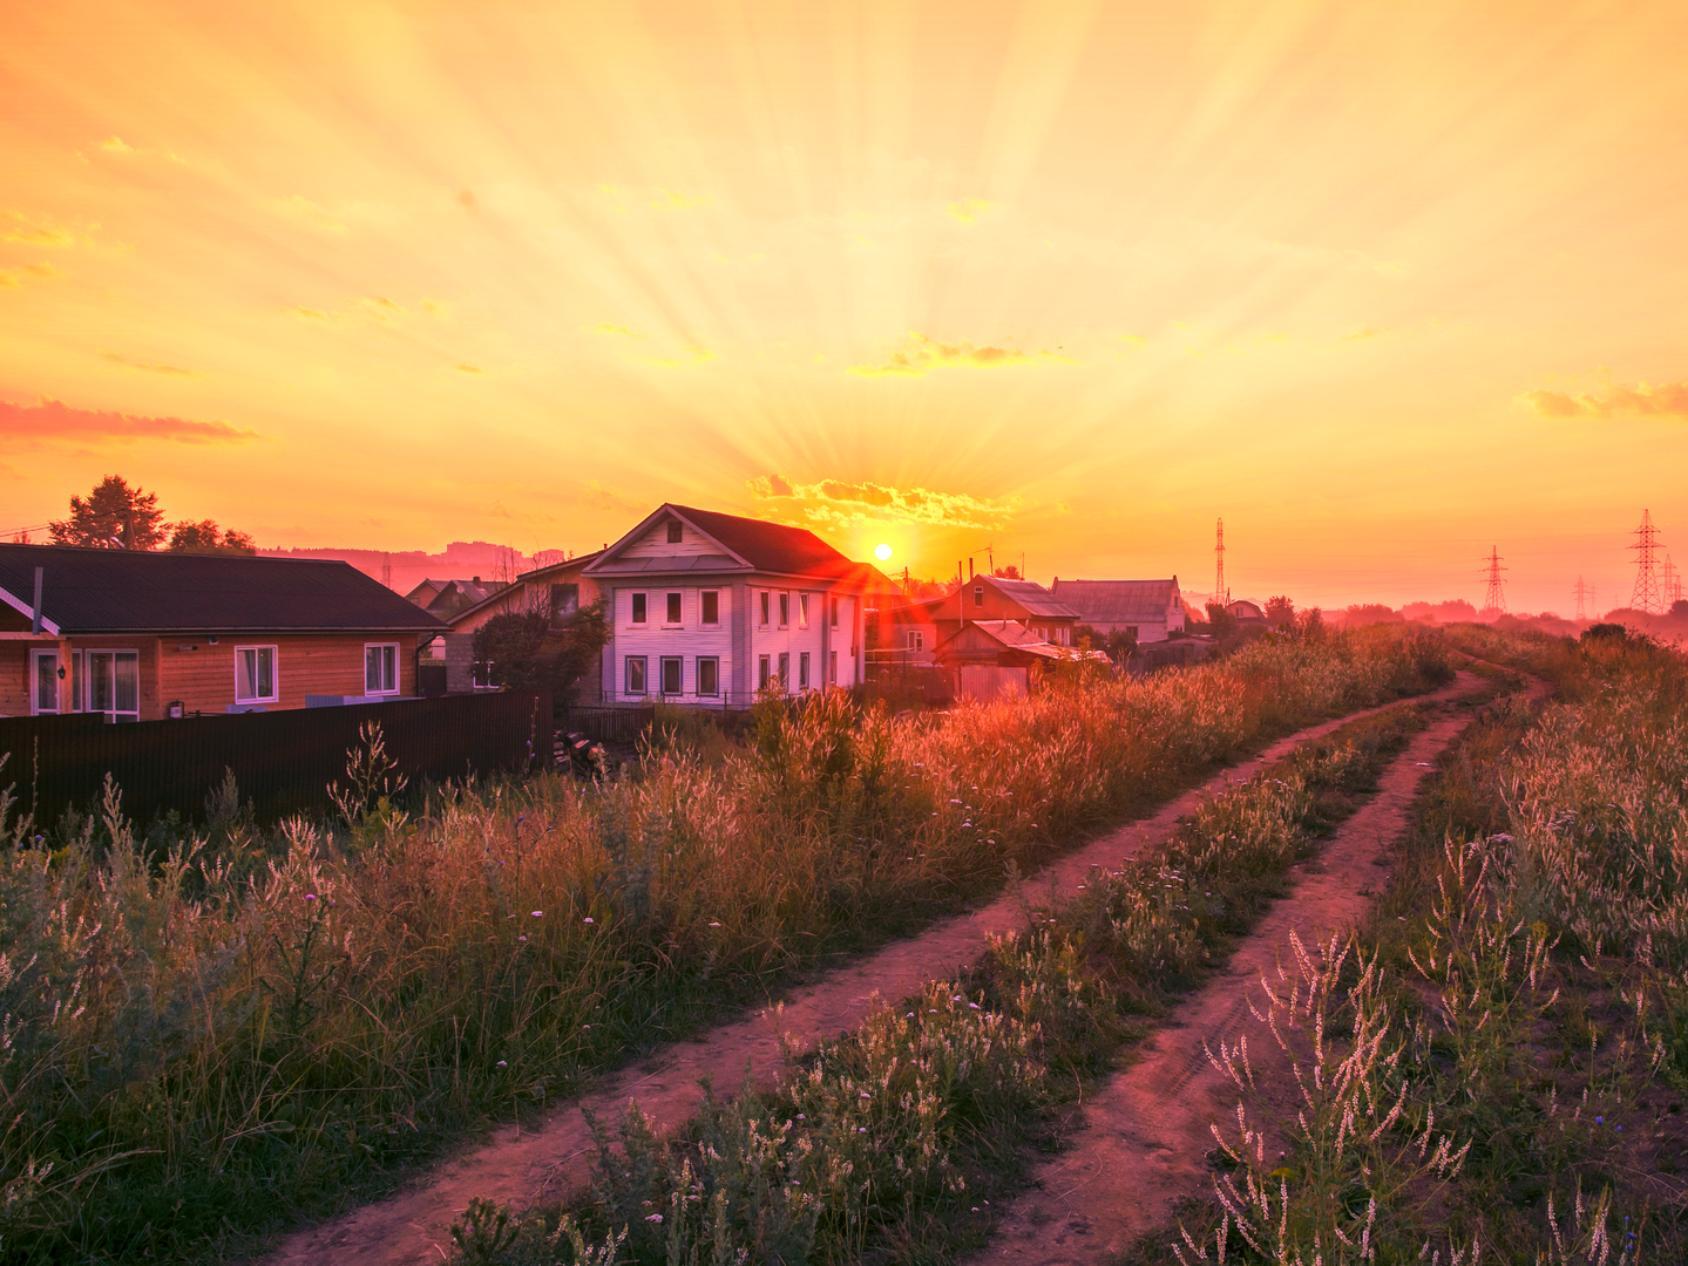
[1679,609]
[1008,571]
[205,537]
[1118,645]
[1220,622]
[527,650]
[1311,623]
[1280,612]
[113,516]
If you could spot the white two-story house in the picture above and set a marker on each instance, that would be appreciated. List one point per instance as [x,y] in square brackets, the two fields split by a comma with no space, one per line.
[707,609]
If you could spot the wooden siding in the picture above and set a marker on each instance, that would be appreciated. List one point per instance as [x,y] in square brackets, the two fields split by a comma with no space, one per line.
[654,543]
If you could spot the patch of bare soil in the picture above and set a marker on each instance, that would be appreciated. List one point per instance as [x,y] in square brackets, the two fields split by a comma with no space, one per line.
[1143,1137]
[523,1165]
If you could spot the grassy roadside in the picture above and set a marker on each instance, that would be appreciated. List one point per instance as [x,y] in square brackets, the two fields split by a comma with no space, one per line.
[889,1145]
[1495,1067]
[213,1036]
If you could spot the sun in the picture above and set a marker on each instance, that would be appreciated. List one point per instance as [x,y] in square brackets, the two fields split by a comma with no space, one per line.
[882,552]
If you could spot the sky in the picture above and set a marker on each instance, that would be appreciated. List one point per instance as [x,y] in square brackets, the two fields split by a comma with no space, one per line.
[1383,285]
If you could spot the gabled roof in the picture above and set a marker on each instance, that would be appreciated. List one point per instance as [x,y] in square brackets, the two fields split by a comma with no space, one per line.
[575,564]
[749,545]
[1119,601]
[1031,597]
[136,591]
[1015,636]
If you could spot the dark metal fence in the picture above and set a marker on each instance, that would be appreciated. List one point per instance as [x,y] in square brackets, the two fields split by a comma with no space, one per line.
[282,761]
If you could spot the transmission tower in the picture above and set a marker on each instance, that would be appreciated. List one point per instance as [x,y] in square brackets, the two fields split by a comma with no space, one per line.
[1670,582]
[1495,598]
[1648,594]
[1221,595]
[1585,595]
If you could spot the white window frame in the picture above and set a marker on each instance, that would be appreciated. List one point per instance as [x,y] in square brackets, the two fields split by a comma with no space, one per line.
[832,668]
[833,610]
[916,640]
[480,675]
[35,709]
[676,533]
[766,607]
[785,608]
[702,619]
[715,661]
[802,610]
[111,714]
[672,598]
[784,673]
[644,676]
[398,669]
[275,673]
[978,595]
[764,671]
[802,670]
[635,600]
[662,664]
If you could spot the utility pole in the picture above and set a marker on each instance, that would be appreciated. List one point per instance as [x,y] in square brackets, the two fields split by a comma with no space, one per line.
[1221,595]
[1648,595]
[1495,597]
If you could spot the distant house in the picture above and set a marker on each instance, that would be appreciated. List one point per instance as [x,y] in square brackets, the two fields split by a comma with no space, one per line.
[912,632]
[1245,612]
[445,598]
[707,608]
[994,659]
[1148,610]
[559,590]
[138,636]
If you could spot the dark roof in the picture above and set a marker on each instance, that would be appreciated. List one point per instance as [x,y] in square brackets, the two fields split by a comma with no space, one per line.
[134,591]
[771,546]
[1028,595]
[1119,601]
[538,573]
[763,547]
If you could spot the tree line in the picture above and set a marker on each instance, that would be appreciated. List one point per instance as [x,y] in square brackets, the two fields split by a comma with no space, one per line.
[116,515]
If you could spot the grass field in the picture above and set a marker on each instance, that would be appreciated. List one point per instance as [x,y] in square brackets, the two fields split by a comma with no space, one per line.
[1494,1067]
[205,1035]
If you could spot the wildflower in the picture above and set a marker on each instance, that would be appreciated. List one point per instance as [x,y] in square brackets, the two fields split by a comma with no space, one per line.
[715,923]
[310,896]
[522,939]
[653,1217]
[503,1063]
[588,919]
[538,914]
[974,1005]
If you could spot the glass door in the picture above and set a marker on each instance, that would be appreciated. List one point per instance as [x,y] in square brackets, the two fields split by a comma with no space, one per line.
[43,682]
[114,684]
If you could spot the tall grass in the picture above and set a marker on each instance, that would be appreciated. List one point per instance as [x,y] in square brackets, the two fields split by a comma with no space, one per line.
[883,1146]
[205,1034]
[1494,1060]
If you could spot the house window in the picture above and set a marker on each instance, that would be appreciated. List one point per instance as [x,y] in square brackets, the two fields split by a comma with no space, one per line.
[785,669]
[114,683]
[635,674]
[672,680]
[764,596]
[803,670]
[802,610]
[43,682]
[834,613]
[785,610]
[674,531]
[978,595]
[708,676]
[673,613]
[709,607]
[832,668]
[764,672]
[254,675]
[916,640]
[381,668]
[638,616]
[565,601]
[480,675]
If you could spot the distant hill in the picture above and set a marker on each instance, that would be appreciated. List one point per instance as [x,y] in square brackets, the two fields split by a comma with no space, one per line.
[403,570]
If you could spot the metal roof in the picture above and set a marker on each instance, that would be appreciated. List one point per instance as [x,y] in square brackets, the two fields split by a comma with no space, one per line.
[137,591]
[1119,601]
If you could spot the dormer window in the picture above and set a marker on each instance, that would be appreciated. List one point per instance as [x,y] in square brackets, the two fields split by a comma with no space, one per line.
[674,531]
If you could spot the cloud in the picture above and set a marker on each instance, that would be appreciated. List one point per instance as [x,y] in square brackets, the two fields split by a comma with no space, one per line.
[118,148]
[147,366]
[55,421]
[844,503]
[1658,400]
[970,210]
[375,310]
[25,230]
[464,367]
[17,278]
[921,355]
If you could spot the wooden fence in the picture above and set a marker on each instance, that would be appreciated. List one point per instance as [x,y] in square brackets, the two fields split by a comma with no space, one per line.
[282,761]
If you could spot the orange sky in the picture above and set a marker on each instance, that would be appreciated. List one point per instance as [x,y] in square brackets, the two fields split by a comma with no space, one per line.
[1382,284]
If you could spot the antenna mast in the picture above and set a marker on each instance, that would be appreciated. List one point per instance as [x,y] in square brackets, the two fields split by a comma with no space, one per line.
[1221,595]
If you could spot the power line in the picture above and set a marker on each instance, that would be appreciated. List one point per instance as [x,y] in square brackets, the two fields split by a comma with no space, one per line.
[1221,595]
